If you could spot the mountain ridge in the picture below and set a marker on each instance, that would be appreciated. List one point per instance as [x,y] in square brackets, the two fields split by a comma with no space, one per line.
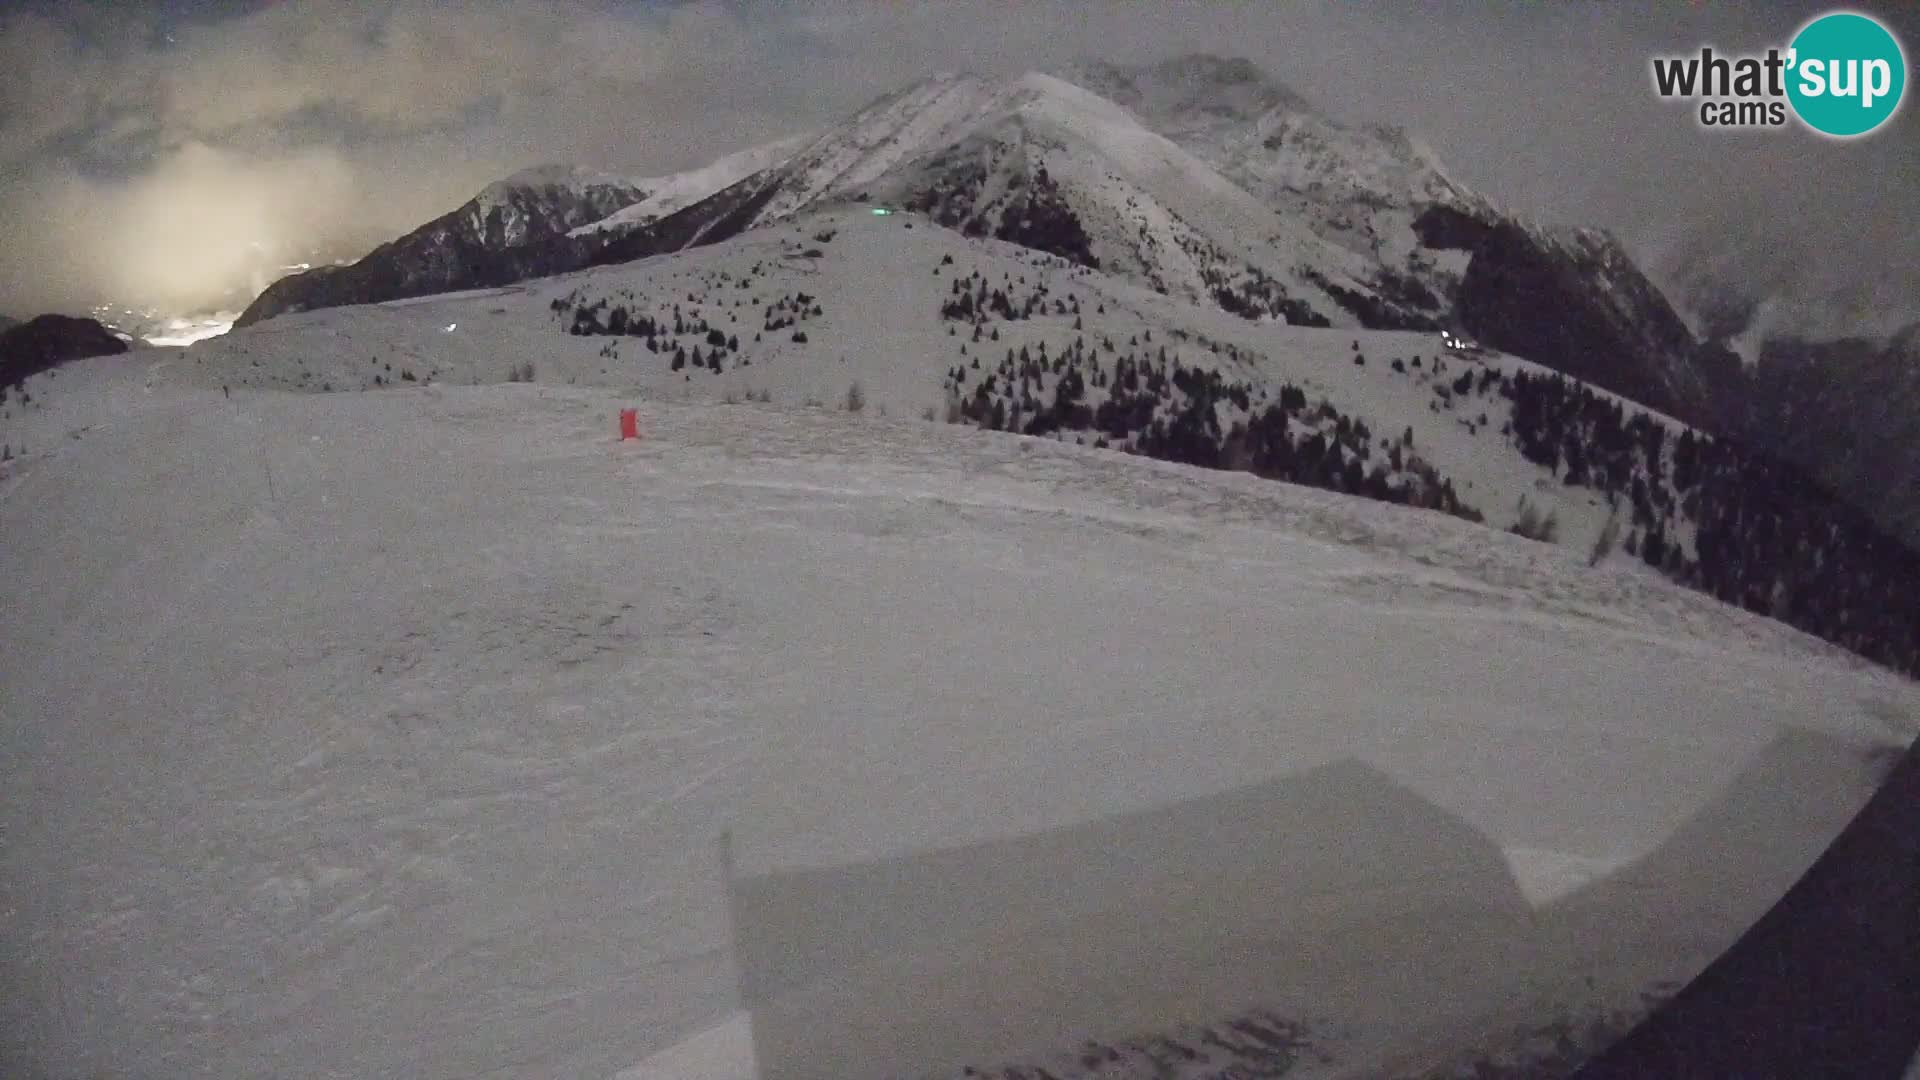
[875,148]
[45,342]
[1218,184]
[513,229]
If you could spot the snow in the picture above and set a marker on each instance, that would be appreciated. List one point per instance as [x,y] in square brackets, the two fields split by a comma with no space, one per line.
[372,782]
[667,194]
[1358,188]
[880,328]
[392,732]
[187,331]
[1166,204]
[1188,96]
[565,177]
[1148,205]
[1120,137]
[888,133]
[1545,876]
[888,144]
[452,297]
[722,1052]
[569,194]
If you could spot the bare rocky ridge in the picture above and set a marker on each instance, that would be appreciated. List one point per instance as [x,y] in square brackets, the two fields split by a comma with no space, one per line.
[513,230]
[47,341]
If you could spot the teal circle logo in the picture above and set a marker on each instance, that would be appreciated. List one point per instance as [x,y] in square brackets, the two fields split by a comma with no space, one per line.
[1847,74]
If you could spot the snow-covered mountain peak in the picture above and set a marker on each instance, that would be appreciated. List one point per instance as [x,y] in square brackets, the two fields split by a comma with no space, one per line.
[1289,152]
[556,180]
[1188,94]
[899,127]
[1271,140]
[1358,188]
[947,108]
[543,201]
[1118,134]
[560,174]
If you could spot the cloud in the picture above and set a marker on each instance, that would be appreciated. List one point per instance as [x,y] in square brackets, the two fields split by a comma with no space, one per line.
[395,113]
[202,219]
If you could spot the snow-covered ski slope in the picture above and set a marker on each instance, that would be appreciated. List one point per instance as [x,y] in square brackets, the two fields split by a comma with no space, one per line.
[391,732]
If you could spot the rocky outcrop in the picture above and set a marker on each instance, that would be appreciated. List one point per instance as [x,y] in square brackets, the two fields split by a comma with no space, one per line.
[47,341]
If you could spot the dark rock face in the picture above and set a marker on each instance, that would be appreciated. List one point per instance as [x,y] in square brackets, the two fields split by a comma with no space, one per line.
[516,229]
[421,263]
[1447,228]
[43,343]
[1575,302]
